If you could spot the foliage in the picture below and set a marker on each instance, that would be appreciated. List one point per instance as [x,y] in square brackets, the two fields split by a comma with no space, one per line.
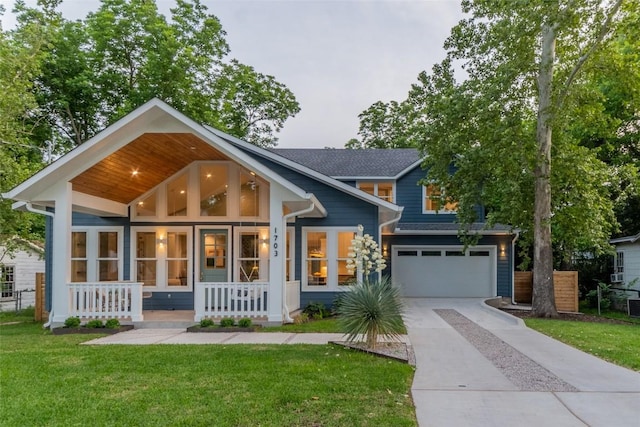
[245,322]
[316,310]
[302,324]
[227,322]
[333,386]
[385,125]
[72,322]
[616,343]
[371,308]
[112,324]
[206,323]
[94,323]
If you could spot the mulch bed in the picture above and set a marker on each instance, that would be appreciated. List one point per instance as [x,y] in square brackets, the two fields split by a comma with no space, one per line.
[82,330]
[198,328]
[579,317]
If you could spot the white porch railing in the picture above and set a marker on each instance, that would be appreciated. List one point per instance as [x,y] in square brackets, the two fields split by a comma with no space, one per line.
[230,299]
[106,300]
[293,295]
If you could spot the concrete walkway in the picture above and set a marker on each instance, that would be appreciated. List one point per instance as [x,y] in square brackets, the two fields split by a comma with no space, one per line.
[457,385]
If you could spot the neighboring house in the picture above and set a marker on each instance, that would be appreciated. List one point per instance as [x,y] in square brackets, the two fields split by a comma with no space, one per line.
[626,262]
[160,212]
[18,273]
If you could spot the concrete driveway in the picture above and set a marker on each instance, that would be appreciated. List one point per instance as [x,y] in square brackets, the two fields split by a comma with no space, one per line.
[477,366]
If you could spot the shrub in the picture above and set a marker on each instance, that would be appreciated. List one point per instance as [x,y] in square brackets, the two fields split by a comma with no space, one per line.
[301,318]
[371,309]
[244,323]
[94,323]
[227,322]
[112,324]
[316,310]
[206,323]
[72,322]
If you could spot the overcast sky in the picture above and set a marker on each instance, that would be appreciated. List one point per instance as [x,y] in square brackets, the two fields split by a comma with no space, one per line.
[337,57]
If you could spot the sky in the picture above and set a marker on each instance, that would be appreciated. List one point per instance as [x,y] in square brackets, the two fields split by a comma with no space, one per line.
[337,56]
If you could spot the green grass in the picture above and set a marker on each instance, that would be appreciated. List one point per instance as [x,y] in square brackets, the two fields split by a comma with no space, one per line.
[54,381]
[617,343]
[609,314]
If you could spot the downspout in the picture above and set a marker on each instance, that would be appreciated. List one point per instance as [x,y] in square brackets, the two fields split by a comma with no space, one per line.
[380,227]
[30,208]
[513,272]
[285,308]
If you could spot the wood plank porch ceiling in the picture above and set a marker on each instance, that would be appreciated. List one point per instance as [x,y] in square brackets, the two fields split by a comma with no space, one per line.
[155,157]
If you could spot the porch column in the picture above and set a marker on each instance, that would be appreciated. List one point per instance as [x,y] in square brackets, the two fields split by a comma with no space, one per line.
[61,248]
[277,255]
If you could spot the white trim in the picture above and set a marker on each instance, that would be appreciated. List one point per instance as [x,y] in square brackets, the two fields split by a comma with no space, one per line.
[432,212]
[92,250]
[263,252]
[161,258]
[376,183]
[449,232]
[627,239]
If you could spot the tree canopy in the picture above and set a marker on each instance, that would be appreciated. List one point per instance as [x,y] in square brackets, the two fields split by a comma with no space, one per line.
[542,129]
[64,81]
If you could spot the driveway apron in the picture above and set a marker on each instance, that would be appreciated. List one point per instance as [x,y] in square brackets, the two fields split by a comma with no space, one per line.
[478,366]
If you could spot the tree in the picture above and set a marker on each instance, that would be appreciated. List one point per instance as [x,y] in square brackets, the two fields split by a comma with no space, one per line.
[386,125]
[502,126]
[125,53]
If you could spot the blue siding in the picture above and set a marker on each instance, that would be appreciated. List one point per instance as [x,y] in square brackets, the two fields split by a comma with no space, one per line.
[327,298]
[169,301]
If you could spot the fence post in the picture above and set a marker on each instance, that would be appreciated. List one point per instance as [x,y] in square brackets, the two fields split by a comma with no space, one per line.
[39,315]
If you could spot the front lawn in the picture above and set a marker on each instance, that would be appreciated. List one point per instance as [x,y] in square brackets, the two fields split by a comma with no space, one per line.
[617,343]
[52,380]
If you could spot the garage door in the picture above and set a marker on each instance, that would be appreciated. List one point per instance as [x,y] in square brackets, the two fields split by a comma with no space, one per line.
[444,272]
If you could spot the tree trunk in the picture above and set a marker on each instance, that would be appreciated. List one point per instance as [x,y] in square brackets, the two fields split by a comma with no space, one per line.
[543,297]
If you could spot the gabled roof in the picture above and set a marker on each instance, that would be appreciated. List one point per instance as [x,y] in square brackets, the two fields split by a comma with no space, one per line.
[345,164]
[628,239]
[154,135]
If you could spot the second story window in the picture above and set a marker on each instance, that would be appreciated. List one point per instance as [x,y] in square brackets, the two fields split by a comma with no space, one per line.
[383,190]
[432,195]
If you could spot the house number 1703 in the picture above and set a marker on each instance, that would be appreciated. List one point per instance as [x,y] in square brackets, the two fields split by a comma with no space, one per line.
[275,241]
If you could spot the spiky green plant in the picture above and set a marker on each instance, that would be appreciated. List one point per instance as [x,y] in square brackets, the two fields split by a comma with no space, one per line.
[371,308]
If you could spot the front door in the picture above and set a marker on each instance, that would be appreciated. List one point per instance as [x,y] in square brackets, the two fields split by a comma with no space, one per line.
[214,264]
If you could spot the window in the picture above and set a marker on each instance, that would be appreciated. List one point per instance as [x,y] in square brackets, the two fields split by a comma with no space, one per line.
[177,196]
[249,195]
[249,257]
[96,254]
[431,195]
[213,190]
[7,281]
[289,273]
[619,263]
[383,190]
[162,257]
[147,206]
[326,252]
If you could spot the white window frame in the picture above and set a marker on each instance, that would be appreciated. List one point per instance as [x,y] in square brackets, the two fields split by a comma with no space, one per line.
[424,203]
[11,293]
[290,258]
[618,265]
[161,257]
[92,251]
[263,252]
[192,171]
[375,189]
[331,256]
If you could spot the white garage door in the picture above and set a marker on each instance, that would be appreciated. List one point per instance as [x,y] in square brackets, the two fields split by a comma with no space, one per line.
[444,272]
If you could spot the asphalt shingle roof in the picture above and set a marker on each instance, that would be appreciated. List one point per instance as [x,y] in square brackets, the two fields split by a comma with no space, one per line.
[339,162]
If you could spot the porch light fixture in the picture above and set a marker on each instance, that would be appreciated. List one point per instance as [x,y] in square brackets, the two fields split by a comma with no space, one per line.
[264,241]
[161,240]
[502,250]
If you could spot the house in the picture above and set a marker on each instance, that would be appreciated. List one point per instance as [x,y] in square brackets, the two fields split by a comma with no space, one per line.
[626,263]
[158,212]
[18,270]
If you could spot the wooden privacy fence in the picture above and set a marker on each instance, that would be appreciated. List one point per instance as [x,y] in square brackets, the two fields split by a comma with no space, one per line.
[40,312]
[565,287]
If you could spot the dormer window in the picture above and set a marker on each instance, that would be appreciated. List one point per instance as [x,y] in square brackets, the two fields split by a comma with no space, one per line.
[432,195]
[383,190]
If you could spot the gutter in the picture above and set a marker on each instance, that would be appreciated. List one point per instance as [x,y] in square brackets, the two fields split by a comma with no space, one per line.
[285,309]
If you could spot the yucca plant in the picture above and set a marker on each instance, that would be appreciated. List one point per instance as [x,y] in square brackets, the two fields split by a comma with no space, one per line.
[372,309]
[373,306]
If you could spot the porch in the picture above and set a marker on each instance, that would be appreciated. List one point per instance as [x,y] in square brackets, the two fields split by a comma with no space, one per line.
[217,300]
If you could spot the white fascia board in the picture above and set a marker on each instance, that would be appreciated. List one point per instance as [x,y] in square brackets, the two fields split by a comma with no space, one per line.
[627,239]
[309,172]
[97,205]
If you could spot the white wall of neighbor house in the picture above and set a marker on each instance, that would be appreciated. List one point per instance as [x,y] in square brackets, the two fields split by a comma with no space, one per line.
[631,253]
[25,265]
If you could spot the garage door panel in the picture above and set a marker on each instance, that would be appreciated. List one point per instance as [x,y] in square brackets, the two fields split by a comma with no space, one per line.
[435,272]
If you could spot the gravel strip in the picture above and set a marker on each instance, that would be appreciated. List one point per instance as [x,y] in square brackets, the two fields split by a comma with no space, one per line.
[523,372]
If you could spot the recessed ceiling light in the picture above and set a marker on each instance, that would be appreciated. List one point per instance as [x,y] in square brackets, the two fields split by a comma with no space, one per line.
[181,191]
[134,173]
[208,175]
